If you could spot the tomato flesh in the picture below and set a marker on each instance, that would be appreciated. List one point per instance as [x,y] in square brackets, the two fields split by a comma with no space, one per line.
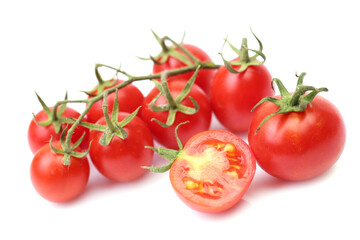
[213,174]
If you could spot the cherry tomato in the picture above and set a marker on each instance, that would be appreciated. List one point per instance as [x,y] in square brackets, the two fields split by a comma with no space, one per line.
[129,99]
[122,160]
[39,135]
[204,77]
[198,122]
[213,171]
[233,95]
[298,145]
[55,181]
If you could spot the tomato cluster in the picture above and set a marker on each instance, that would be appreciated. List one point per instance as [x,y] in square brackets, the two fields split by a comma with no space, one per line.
[293,136]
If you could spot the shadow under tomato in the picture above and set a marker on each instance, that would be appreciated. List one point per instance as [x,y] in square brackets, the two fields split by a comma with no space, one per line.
[263,183]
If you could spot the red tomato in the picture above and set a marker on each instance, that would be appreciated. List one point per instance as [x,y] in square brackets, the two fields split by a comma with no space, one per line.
[129,99]
[233,95]
[39,135]
[204,77]
[213,171]
[198,122]
[55,181]
[122,160]
[298,145]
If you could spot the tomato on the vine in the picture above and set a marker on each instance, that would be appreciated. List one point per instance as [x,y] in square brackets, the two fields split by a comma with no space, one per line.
[40,135]
[204,77]
[122,159]
[55,181]
[238,86]
[297,138]
[233,95]
[198,122]
[129,99]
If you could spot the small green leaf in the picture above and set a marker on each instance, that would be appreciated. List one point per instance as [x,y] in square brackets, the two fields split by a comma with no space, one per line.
[160,169]
[283,91]
[44,106]
[130,117]
[179,56]
[186,90]
[228,65]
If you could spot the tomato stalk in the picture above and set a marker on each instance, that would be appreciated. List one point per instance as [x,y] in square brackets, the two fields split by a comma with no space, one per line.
[56,120]
[244,60]
[296,102]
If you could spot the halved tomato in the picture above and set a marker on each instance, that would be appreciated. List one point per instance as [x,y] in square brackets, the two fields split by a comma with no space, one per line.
[213,171]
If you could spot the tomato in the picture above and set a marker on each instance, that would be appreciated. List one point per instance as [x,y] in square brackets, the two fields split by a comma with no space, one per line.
[129,99]
[55,181]
[233,95]
[40,135]
[122,160]
[298,145]
[213,171]
[204,77]
[198,122]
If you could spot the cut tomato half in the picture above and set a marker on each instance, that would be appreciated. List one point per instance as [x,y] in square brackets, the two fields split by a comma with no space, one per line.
[213,171]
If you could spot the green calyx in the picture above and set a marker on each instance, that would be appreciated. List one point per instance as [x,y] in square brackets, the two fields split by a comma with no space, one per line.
[183,55]
[54,116]
[68,151]
[296,102]
[113,127]
[168,154]
[173,105]
[244,58]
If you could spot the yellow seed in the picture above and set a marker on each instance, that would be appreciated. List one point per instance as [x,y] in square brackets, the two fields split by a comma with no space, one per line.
[232,159]
[229,148]
[220,145]
[191,184]
[233,174]
[235,166]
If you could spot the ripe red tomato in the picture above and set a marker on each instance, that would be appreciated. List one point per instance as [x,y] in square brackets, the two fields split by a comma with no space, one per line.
[55,181]
[39,135]
[198,122]
[233,95]
[298,145]
[122,160]
[213,171]
[129,99]
[204,77]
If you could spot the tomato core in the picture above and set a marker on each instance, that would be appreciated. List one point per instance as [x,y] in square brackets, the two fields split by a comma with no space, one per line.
[207,172]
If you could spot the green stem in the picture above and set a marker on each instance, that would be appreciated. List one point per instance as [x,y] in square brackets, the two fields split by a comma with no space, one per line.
[91,101]
[244,51]
[98,76]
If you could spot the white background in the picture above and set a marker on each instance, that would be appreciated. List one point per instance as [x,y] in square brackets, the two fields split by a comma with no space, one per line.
[53,47]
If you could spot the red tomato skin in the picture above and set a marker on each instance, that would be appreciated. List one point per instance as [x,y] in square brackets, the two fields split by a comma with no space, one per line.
[299,145]
[204,77]
[233,95]
[53,180]
[198,122]
[122,160]
[129,99]
[231,198]
[39,136]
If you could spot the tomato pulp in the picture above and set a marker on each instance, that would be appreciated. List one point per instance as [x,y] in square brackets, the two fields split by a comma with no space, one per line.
[213,171]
